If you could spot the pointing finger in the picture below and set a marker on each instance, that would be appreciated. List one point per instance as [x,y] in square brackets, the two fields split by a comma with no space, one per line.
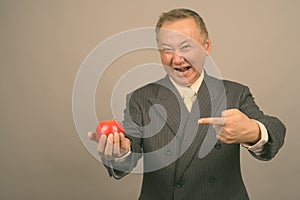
[212,120]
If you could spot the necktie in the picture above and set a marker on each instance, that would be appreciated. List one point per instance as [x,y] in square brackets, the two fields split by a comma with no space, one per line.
[189,97]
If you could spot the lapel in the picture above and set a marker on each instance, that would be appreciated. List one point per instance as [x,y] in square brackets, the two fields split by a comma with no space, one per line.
[210,102]
[211,96]
[168,97]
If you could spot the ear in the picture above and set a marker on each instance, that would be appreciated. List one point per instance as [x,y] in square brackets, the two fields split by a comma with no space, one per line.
[207,46]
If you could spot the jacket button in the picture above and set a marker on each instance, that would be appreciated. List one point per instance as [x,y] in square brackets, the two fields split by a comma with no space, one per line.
[179,185]
[168,152]
[218,146]
[212,179]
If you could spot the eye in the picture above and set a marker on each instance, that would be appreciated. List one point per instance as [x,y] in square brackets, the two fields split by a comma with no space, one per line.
[185,47]
[167,49]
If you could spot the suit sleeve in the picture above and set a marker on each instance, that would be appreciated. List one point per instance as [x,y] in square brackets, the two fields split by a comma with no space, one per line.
[276,129]
[133,131]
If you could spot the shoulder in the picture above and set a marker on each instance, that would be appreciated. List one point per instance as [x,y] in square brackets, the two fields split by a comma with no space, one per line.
[150,90]
[234,86]
[229,85]
[236,93]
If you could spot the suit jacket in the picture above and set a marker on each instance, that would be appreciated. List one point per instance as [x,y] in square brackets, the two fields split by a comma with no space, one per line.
[181,158]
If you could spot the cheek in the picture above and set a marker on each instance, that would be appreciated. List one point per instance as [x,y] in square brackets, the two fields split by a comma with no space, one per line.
[165,59]
[196,58]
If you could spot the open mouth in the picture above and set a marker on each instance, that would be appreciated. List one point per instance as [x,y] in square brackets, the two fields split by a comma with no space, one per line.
[183,69]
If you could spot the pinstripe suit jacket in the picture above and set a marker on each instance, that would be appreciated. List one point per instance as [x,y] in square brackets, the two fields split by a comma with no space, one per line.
[173,167]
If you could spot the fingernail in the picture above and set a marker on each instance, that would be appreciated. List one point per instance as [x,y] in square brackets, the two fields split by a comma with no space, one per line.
[103,136]
[110,136]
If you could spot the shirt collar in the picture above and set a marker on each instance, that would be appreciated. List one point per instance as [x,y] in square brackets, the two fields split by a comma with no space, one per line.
[194,87]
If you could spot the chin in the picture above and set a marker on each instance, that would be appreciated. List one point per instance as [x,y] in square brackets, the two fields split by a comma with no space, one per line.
[181,81]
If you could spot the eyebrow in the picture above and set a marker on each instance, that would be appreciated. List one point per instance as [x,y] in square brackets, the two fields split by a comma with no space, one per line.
[185,41]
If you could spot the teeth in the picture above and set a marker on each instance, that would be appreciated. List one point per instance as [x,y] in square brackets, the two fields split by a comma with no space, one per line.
[183,69]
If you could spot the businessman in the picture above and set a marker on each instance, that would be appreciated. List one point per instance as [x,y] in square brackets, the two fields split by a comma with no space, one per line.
[196,106]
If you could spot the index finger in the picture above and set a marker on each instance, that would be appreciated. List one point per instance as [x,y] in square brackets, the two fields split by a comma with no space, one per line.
[212,120]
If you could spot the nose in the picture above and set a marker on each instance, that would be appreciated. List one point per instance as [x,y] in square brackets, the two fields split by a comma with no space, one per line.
[177,59]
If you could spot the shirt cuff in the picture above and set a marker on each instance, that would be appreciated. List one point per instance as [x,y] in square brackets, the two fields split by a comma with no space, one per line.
[258,147]
[121,159]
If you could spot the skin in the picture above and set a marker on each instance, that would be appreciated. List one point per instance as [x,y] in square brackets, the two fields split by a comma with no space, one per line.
[234,127]
[183,51]
[114,146]
[181,45]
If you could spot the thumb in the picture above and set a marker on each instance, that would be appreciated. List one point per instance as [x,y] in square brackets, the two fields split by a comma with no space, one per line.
[125,142]
[92,136]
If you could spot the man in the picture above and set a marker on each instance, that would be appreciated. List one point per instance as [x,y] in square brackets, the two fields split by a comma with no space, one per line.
[175,164]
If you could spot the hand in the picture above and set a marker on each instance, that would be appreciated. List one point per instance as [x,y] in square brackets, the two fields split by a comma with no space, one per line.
[114,146]
[234,127]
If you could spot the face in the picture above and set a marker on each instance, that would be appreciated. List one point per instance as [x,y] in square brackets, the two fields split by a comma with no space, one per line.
[182,50]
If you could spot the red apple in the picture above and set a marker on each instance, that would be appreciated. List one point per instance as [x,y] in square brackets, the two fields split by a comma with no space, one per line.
[108,127]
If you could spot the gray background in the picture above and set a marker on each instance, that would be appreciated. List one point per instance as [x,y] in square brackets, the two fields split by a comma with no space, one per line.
[43,44]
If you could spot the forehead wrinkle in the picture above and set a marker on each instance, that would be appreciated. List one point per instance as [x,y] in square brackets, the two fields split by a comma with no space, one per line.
[171,38]
[180,43]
